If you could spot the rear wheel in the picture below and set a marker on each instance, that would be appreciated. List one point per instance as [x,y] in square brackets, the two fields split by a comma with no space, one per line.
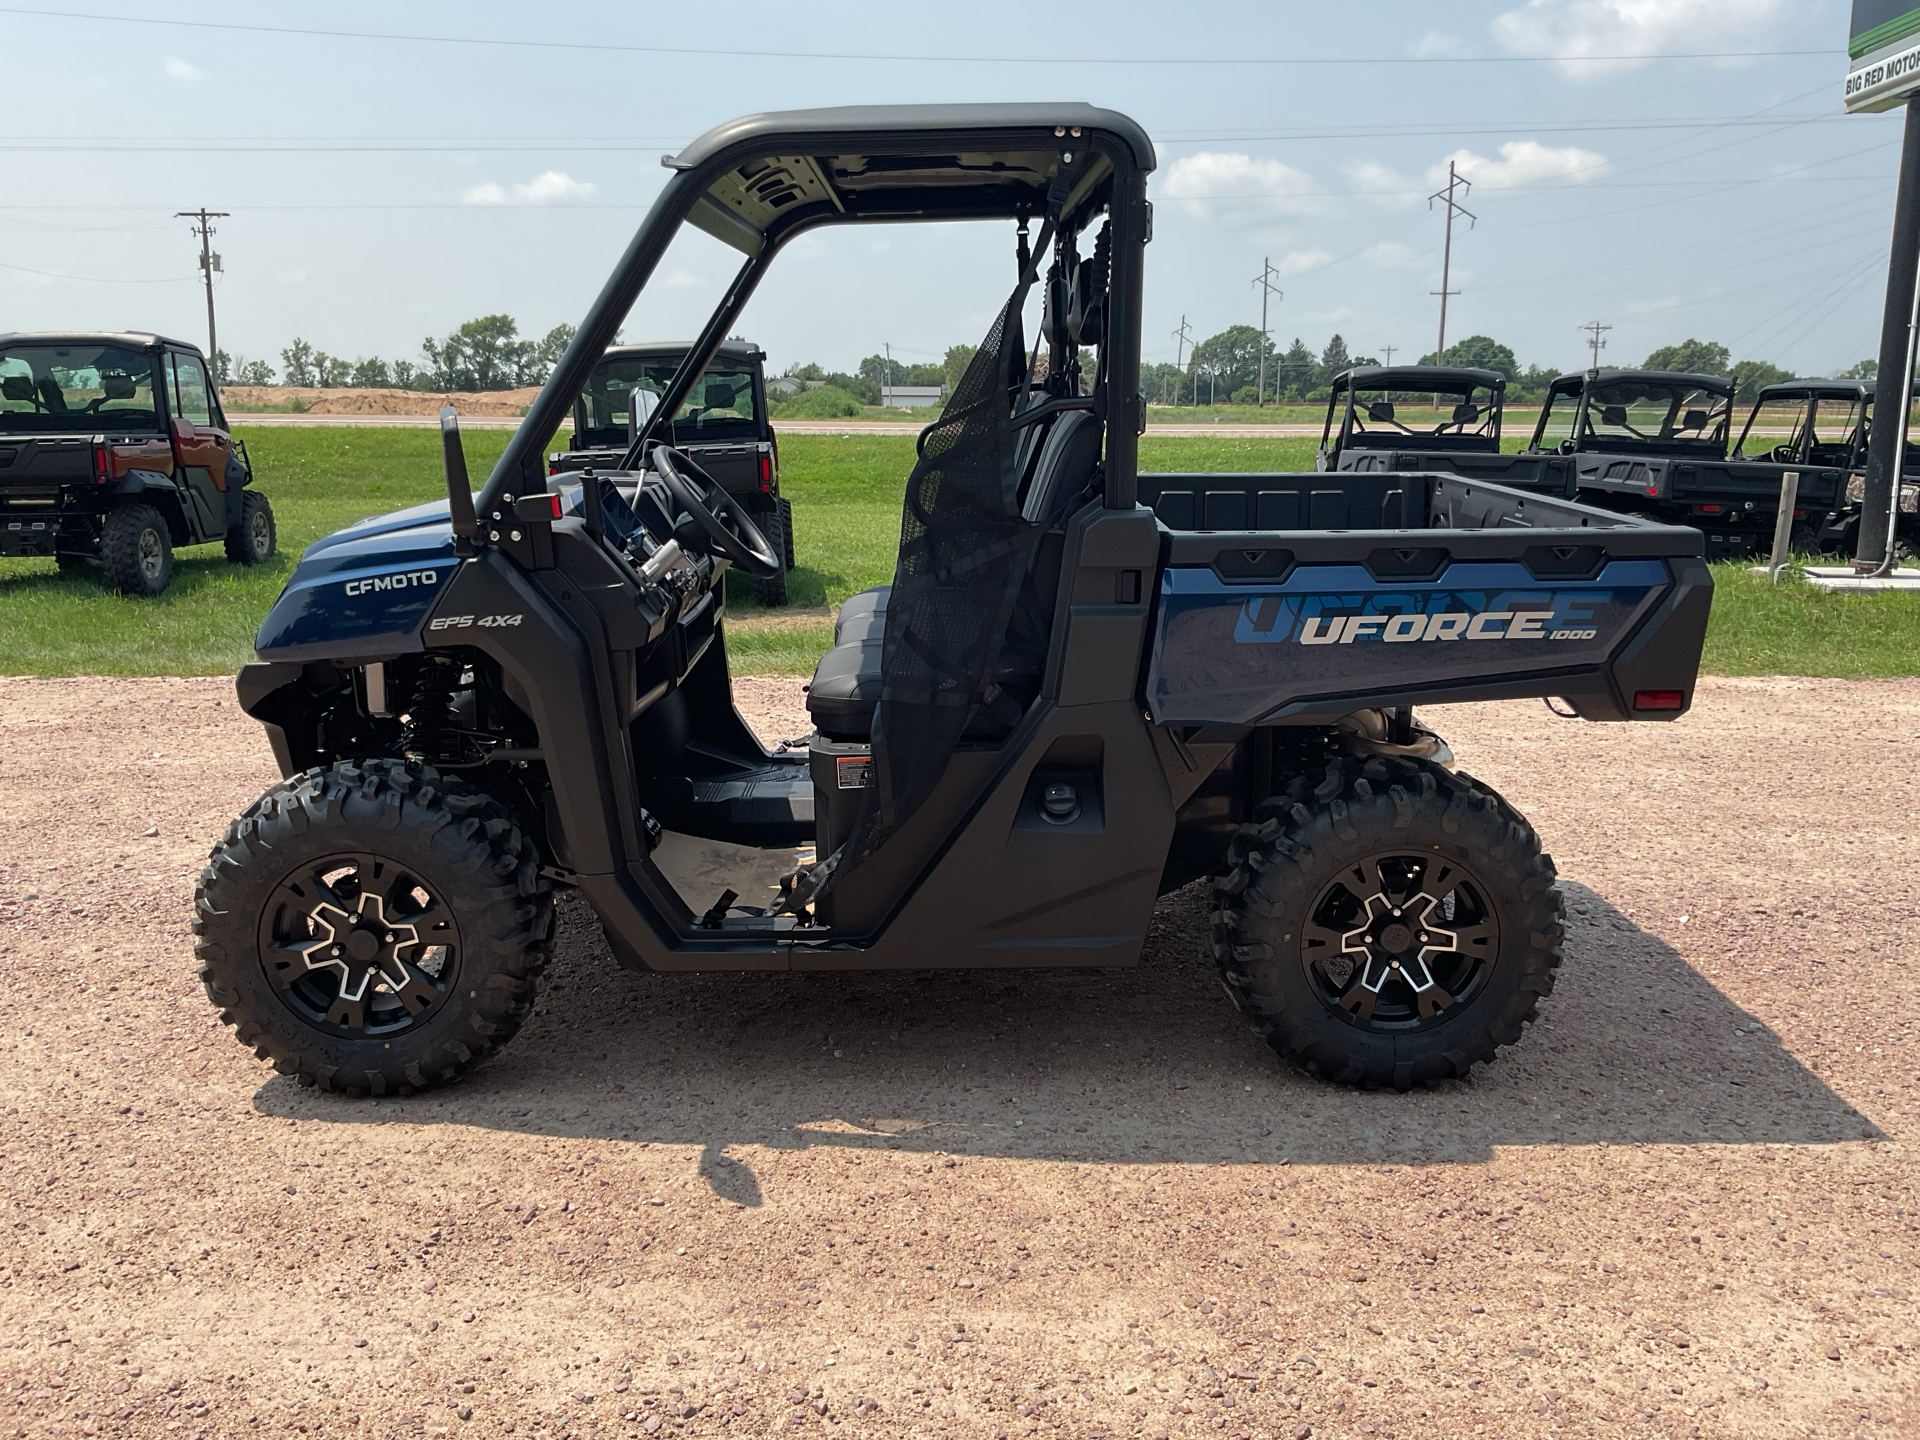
[136,551]
[373,927]
[254,539]
[771,590]
[1393,924]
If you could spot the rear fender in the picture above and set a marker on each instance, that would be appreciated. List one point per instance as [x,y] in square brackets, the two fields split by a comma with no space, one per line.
[148,487]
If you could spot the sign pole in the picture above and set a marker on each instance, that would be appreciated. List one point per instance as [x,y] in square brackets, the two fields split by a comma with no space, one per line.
[1896,344]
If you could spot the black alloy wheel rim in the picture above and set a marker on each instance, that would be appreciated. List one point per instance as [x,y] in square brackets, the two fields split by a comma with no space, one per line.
[1400,942]
[257,535]
[359,946]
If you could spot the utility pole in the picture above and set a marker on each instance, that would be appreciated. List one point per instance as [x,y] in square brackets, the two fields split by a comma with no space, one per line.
[209,262]
[1267,288]
[1182,337]
[1454,181]
[1595,330]
[1388,350]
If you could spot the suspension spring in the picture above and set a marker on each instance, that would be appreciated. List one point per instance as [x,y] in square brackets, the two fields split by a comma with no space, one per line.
[430,713]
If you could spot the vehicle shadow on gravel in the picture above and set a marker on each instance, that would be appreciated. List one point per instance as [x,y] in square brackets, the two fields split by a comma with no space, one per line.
[1127,1067]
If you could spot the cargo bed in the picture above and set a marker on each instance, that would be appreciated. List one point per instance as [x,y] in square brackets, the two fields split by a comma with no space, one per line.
[1298,598]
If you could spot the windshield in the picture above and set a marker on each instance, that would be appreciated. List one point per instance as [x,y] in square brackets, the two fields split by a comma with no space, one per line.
[1775,430]
[1631,414]
[721,405]
[1450,415]
[59,387]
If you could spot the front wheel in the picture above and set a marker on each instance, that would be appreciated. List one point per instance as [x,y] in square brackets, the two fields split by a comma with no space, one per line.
[1392,924]
[373,927]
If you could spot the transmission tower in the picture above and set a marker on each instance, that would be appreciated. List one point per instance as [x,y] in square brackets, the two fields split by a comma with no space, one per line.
[1267,290]
[1595,337]
[1388,350]
[1454,182]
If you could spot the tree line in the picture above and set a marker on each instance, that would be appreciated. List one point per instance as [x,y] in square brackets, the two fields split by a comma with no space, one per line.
[488,353]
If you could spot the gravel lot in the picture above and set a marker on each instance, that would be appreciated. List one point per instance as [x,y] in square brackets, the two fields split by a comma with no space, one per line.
[1011,1204]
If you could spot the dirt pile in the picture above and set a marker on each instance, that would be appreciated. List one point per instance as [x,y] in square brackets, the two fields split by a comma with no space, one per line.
[971,1205]
[282,399]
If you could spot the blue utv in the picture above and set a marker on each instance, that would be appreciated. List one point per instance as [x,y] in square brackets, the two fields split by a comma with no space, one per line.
[1084,688]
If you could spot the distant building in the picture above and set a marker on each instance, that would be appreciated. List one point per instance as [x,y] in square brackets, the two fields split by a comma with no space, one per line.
[911,397]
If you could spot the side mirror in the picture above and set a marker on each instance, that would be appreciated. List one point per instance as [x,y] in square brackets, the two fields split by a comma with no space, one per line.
[459,495]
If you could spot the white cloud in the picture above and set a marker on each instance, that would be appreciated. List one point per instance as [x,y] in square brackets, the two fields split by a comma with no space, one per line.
[1568,30]
[549,188]
[1386,254]
[1296,261]
[1653,307]
[180,69]
[1239,188]
[1386,186]
[1435,44]
[682,280]
[1522,162]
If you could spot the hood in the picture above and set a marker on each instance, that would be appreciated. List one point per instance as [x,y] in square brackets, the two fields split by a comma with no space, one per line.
[365,590]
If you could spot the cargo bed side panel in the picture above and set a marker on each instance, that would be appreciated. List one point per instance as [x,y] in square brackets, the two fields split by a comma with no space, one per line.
[1331,638]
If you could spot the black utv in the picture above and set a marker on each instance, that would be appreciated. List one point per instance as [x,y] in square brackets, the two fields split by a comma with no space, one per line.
[1085,687]
[1820,428]
[113,451]
[1437,418]
[724,426]
[1653,443]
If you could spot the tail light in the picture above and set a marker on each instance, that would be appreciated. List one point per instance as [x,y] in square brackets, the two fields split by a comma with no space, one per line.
[766,472]
[102,462]
[1659,699]
[1708,509]
[1799,513]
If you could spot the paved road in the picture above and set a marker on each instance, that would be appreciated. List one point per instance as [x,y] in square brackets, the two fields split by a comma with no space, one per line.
[785,427]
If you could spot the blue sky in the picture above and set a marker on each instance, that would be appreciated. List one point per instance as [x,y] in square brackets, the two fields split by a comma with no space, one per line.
[386,189]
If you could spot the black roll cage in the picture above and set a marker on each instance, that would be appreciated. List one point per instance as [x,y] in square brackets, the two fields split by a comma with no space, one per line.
[965,138]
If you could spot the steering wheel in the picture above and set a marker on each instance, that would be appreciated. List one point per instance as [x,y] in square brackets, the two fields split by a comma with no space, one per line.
[731,531]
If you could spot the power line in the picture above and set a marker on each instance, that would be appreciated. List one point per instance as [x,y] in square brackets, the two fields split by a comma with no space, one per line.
[1596,333]
[1267,290]
[1454,181]
[209,262]
[1183,336]
[1051,60]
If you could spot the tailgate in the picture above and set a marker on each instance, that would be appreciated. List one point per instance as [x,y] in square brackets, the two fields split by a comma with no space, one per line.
[1500,595]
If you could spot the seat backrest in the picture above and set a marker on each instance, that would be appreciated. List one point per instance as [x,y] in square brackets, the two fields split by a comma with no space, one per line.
[1065,467]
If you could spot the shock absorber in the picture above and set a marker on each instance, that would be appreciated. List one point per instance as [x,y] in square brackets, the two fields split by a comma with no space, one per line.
[424,736]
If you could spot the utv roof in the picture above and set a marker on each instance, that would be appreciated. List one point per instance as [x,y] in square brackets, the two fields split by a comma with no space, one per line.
[137,339]
[732,349]
[1849,389]
[836,127]
[1412,377]
[1719,384]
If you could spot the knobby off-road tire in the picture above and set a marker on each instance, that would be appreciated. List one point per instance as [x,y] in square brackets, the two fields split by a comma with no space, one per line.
[136,551]
[373,927]
[255,538]
[771,590]
[786,533]
[1337,887]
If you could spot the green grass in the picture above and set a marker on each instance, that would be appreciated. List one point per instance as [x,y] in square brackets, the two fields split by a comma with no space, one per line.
[846,499]
[1793,629]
